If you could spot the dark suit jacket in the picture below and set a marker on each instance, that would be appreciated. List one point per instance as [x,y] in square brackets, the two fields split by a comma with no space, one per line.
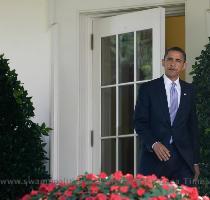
[152,123]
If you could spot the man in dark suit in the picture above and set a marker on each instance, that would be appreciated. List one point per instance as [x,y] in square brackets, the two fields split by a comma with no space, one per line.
[165,119]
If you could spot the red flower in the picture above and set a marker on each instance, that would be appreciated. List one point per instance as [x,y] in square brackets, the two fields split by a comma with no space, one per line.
[89,198]
[124,189]
[118,175]
[94,189]
[101,196]
[62,198]
[158,198]
[102,175]
[72,187]
[141,192]
[140,176]
[165,187]
[62,184]
[46,188]
[115,197]
[147,183]
[91,177]
[172,196]
[43,188]
[51,187]
[134,184]
[114,188]
[205,198]
[152,177]
[68,193]
[83,184]
[173,185]
[26,197]
[125,198]
[34,192]
[164,179]
[161,198]
[129,177]
[192,192]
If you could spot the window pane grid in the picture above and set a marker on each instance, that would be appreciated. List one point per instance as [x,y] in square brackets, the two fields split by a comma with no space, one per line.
[128,83]
[119,136]
[125,85]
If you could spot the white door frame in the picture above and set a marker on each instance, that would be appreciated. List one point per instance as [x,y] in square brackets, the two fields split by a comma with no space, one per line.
[85,161]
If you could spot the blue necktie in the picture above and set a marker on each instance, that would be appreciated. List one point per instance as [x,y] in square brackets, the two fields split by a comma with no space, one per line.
[173,102]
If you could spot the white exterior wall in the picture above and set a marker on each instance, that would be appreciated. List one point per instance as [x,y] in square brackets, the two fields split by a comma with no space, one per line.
[196,30]
[24,39]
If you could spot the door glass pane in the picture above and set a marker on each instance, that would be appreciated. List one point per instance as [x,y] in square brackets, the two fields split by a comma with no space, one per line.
[126,57]
[108,60]
[126,155]
[126,106]
[108,111]
[108,155]
[144,55]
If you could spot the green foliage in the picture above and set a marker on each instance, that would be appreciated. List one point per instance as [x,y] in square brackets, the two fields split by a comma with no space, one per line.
[201,79]
[22,154]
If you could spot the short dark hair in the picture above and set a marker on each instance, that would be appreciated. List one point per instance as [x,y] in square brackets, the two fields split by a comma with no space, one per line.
[175,49]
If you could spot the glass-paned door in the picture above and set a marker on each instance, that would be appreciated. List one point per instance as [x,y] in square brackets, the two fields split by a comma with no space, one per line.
[128,51]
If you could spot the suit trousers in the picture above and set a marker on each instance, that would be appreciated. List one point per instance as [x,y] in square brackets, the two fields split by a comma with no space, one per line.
[175,168]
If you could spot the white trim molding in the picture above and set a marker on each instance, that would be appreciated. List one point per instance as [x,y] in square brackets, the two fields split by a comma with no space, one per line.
[54,137]
[208,22]
[85,94]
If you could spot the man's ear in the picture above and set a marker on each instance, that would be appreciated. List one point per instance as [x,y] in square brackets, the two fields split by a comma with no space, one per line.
[185,65]
[163,62]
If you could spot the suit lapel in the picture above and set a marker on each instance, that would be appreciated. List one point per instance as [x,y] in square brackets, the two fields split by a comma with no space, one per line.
[163,99]
[183,101]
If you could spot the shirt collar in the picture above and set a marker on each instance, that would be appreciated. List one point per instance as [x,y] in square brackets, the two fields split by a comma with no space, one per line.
[168,81]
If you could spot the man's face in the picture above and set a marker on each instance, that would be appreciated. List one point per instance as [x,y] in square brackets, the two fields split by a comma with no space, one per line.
[174,64]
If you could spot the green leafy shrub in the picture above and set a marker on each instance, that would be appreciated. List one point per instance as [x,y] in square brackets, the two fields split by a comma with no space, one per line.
[201,80]
[22,154]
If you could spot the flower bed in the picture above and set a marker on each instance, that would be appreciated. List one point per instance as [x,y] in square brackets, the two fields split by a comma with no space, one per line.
[114,187]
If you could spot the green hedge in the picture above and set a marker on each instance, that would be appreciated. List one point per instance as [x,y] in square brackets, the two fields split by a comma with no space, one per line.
[22,154]
[201,80]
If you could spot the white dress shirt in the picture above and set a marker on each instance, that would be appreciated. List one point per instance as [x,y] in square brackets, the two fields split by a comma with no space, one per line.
[168,84]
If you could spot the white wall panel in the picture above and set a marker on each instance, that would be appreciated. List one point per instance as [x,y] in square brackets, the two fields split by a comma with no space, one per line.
[196,31]
[24,39]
